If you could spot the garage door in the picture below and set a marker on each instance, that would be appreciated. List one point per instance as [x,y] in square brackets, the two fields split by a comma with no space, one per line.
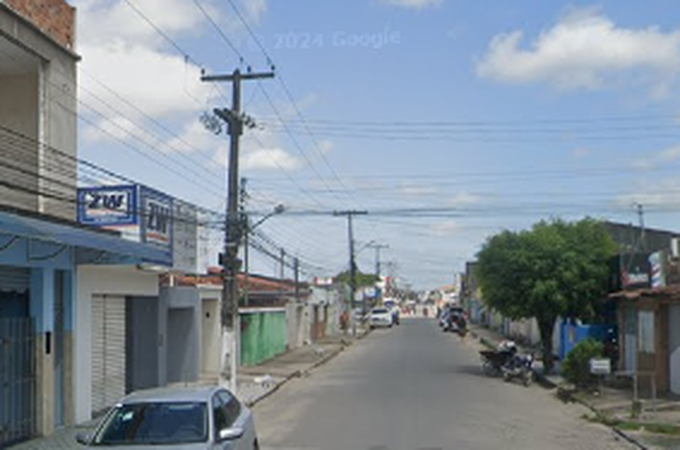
[108,351]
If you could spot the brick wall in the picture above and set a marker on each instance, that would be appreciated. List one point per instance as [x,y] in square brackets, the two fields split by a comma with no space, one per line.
[56,18]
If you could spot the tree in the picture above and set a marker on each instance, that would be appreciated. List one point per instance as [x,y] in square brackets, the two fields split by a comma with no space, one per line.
[362,279]
[555,269]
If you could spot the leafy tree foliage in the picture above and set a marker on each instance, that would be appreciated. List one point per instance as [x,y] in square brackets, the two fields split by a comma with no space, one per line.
[556,268]
[362,279]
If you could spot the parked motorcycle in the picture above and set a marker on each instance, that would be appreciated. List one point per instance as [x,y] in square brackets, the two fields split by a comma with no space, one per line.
[521,367]
[494,360]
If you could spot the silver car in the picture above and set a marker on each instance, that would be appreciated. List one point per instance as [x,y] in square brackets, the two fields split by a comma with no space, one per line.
[183,418]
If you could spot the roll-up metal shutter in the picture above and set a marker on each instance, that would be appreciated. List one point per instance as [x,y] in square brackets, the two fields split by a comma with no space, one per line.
[108,351]
[16,279]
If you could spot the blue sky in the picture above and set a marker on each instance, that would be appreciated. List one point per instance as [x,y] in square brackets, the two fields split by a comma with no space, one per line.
[495,114]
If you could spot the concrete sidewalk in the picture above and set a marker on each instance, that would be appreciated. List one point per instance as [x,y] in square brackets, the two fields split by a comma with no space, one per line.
[610,403]
[254,385]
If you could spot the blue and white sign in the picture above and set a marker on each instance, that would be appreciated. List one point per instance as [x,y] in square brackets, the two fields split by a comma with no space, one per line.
[108,205]
[156,211]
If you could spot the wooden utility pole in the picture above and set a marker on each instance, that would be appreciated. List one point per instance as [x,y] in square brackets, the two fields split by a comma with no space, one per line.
[352,265]
[233,228]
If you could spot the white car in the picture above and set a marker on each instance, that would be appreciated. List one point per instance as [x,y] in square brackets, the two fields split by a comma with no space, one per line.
[182,418]
[380,317]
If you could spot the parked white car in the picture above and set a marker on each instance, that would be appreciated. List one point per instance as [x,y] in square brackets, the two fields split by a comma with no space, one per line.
[182,418]
[380,317]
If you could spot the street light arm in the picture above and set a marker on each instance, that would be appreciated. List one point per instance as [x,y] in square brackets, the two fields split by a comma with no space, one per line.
[279,209]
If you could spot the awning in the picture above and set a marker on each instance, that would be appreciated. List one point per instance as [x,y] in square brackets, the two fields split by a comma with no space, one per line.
[108,247]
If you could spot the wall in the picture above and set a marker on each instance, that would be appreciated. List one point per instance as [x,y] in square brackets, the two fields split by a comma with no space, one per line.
[183,312]
[126,281]
[53,17]
[210,337]
[19,111]
[183,354]
[263,334]
[52,72]
[143,346]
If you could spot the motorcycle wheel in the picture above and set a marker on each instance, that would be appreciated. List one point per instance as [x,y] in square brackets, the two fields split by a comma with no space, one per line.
[506,377]
[488,369]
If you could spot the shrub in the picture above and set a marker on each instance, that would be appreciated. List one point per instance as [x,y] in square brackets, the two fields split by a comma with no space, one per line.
[576,366]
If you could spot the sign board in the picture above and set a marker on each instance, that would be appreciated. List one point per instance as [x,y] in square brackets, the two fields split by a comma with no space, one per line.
[635,270]
[156,211]
[656,262]
[600,366]
[185,236]
[108,206]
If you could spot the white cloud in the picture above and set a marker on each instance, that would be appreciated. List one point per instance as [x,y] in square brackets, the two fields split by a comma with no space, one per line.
[155,82]
[414,190]
[586,50]
[416,4]
[445,228]
[269,159]
[111,128]
[464,198]
[667,156]
[659,195]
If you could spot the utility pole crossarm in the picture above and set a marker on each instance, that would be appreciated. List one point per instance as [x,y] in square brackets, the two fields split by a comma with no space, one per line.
[242,76]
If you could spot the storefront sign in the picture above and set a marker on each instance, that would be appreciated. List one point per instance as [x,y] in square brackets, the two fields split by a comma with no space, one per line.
[108,206]
[156,211]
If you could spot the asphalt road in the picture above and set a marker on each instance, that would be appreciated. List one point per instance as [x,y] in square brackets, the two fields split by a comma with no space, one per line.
[415,387]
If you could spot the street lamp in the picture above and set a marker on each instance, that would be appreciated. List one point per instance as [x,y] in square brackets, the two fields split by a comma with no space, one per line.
[279,209]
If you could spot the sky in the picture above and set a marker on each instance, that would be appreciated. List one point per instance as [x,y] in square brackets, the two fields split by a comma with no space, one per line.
[445,120]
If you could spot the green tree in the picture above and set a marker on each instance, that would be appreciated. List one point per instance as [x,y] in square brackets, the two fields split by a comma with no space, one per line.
[555,269]
[362,279]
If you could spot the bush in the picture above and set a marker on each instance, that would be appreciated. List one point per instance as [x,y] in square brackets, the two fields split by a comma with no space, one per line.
[576,366]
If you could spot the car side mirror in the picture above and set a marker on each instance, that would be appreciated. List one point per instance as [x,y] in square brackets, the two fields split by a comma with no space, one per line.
[83,438]
[229,434]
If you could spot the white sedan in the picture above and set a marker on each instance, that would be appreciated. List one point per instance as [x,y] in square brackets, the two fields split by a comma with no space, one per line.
[380,317]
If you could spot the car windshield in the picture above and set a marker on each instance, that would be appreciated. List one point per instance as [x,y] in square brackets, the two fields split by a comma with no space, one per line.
[379,311]
[154,423]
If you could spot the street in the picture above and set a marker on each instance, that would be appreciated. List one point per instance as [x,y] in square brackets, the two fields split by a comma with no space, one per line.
[415,387]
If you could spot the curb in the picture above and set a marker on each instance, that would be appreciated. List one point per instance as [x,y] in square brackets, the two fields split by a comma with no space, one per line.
[616,430]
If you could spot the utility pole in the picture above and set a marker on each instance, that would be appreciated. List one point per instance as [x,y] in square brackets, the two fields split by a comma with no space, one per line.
[296,263]
[246,245]
[641,215]
[352,265]
[377,248]
[231,264]
[282,261]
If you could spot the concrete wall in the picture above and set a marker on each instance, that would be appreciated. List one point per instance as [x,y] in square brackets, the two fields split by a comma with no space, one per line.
[143,343]
[19,111]
[183,311]
[183,341]
[50,109]
[92,280]
[295,337]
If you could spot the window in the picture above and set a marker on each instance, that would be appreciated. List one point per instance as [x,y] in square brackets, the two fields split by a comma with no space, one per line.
[226,409]
[646,331]
[154,423]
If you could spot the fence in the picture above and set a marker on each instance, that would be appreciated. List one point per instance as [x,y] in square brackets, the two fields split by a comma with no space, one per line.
[17,380]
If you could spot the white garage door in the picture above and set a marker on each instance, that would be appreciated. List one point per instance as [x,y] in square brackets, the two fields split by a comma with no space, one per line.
[108,351]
